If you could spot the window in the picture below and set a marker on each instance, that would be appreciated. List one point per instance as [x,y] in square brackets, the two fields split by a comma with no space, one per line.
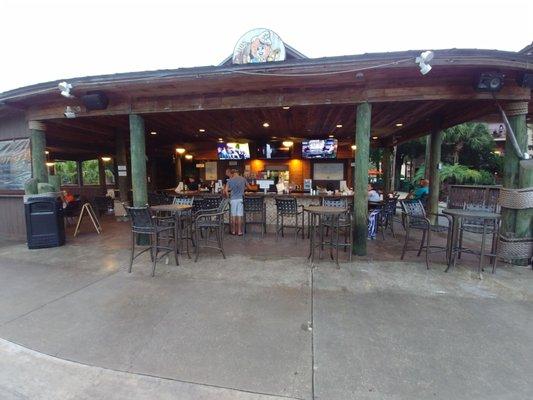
[15,164]
[89,172]
[68,171]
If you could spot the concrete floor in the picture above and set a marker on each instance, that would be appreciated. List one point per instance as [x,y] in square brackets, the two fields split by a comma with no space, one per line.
[259,325]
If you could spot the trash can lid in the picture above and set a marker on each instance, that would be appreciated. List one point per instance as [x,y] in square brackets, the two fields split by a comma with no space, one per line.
[49,195]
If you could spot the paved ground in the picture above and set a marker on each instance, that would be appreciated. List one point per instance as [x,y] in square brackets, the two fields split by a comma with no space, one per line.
[76,325]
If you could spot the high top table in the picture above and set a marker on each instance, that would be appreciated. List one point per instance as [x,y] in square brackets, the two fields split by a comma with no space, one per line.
[177,211]
[318,214]
[457,215]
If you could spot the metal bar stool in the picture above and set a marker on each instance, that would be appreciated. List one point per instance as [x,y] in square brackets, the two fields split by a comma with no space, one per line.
[287,207]
[254,212]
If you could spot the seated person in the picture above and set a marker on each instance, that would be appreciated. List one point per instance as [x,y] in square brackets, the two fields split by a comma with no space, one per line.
[192,184]
[373,194]
[421,192]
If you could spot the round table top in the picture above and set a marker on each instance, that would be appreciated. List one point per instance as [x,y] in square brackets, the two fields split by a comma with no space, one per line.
[325,210]
[171,207]
[459,212]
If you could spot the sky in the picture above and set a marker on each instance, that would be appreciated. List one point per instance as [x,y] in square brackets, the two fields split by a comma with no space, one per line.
[55,39]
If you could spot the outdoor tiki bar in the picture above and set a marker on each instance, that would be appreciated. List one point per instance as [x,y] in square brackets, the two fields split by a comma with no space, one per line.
[290,125]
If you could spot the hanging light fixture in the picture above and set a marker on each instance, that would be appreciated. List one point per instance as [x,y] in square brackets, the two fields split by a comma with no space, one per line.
[180,150]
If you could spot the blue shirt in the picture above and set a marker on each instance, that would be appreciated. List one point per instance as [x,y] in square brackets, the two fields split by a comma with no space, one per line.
[237,185]
[421,192]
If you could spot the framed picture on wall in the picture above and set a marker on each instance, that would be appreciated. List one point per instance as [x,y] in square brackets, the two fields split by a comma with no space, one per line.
[328,171]
[211,171]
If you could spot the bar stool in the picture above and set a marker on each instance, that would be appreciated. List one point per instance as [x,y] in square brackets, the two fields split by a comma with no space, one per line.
[341,224]
[255,212]
[207,223]
[287,207]
[184,223]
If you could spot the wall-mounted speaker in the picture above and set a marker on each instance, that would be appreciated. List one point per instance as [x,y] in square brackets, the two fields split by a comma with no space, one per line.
[526,81]
[95,100]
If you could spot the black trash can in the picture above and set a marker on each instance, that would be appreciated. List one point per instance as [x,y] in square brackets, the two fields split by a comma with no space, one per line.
[45,226]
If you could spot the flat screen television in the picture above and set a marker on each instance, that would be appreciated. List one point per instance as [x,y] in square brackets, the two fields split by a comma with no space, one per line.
[233,151]
[274,150]
[319,148]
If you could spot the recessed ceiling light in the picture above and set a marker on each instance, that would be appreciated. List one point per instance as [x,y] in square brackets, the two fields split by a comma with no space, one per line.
[201,130]
[46,152]
[339,125]
[180,150]
[274,137]
[399,124]
[286,107]
[50,164]
[188,156]
[374,137]
[220,139]
[266,124]
[153,133]
[106,159]
[331,136]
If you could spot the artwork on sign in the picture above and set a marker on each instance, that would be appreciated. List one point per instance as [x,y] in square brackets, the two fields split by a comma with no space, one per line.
[259,46]
[498,130]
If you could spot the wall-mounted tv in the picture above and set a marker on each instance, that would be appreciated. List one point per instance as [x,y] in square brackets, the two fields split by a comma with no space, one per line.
[319,148]
[274,150]
[233,151]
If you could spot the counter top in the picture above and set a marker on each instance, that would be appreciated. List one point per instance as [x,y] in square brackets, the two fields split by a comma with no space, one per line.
[269,194]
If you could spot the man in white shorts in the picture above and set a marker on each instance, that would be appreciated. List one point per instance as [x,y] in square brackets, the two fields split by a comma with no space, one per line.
[235,188]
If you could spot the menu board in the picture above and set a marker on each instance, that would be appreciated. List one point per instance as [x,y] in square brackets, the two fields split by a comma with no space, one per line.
[328,171]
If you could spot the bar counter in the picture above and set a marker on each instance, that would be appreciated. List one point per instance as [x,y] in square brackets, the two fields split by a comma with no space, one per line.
[304,199]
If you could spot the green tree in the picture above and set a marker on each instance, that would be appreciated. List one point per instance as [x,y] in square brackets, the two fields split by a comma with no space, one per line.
[470,139]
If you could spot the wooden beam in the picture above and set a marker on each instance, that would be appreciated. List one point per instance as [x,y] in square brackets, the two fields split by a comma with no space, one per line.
[247,100]
[138,161]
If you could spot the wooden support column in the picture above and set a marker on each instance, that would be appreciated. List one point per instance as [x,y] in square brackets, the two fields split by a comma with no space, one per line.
[178,162]
[386,169]
[38,148]
[122,166]
[393,169]
[513,176]
[428,156]
[138,160]
[433,173]
[101,175]
[362,141]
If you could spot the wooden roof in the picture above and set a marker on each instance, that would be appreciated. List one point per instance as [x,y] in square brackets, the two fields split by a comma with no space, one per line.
[232,101]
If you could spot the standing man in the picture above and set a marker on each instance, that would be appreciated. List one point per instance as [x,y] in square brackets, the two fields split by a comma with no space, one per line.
[234,189]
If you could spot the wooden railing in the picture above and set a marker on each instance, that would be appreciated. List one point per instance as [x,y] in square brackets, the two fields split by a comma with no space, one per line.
[473,194]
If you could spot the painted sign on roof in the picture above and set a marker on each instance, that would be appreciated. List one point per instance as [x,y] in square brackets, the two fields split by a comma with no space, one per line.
[259,46]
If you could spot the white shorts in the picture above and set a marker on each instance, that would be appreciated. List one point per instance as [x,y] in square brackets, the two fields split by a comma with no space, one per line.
[237,209]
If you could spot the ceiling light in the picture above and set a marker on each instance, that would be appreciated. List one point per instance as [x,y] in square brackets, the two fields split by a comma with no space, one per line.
[374,137]
[188,156]
[220,139]
[153,133]
[50,164]
[287,143]
[331,136]
[266,124]
[354,147]
[286,107]
[46,152]
[180,150]
[201,130]
[106,159]
[399,124]
[339,125]
[274,137]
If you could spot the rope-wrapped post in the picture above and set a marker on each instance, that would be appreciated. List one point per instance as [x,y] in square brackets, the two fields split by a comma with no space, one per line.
[516,112]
